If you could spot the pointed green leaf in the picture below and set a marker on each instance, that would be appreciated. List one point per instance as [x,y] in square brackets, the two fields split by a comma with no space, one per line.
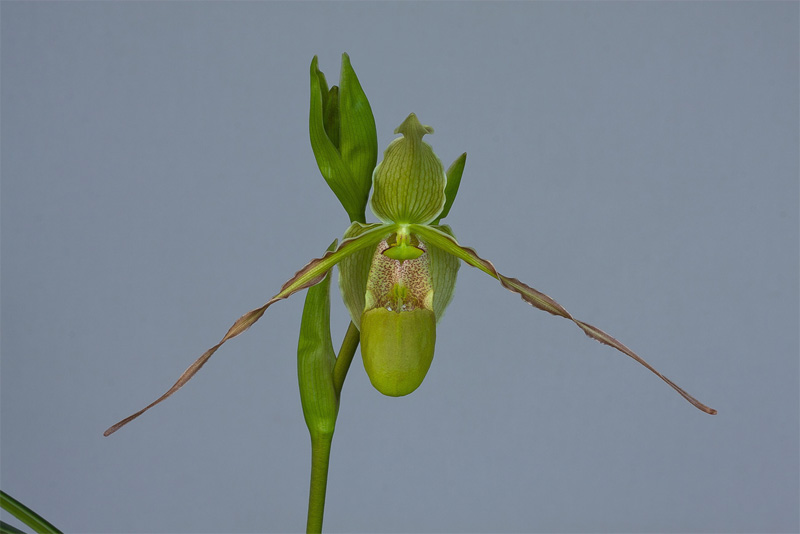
[454,173]
[330,162]
[358,136]
[315,361]
[311,274]
[321,80]
[540,300]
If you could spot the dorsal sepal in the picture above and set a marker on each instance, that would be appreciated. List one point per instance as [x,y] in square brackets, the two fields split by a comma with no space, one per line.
[409,183]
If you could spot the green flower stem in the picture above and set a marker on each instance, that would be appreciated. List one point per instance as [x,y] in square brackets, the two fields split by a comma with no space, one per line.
[345,358]
[320,456]
[321,442]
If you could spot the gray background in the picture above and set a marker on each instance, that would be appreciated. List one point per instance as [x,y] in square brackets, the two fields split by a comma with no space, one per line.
[636,161]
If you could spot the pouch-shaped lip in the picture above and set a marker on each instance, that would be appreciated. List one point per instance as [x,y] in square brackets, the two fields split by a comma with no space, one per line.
[397,348]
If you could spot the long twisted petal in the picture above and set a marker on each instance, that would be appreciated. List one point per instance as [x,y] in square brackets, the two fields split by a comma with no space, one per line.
[308,276]
[539,300]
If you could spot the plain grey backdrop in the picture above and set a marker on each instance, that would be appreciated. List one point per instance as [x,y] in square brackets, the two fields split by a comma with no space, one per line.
[636,161]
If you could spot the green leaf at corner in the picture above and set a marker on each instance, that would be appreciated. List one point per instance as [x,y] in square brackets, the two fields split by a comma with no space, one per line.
[5,528]
[26,515]
[453,181]
[315,361]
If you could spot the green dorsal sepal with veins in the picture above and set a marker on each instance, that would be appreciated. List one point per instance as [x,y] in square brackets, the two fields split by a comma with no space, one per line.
[408,185]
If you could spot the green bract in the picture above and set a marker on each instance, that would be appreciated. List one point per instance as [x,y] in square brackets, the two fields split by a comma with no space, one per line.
[315,361]
[343,137]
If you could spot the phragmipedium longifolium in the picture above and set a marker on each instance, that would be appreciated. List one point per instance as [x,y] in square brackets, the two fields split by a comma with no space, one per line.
[396,276]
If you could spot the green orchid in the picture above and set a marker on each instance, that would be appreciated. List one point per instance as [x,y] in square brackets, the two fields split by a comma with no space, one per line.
[396,276]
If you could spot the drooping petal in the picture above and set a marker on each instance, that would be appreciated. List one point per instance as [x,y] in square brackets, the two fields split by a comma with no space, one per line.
[540,300]
[308,276]
[444,269]
[408,185]
[354,272]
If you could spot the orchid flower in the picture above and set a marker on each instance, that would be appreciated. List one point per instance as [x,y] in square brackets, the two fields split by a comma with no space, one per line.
[396,276]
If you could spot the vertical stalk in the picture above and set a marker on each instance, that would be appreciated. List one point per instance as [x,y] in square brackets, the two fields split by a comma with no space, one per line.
[320,457]
[321,441]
